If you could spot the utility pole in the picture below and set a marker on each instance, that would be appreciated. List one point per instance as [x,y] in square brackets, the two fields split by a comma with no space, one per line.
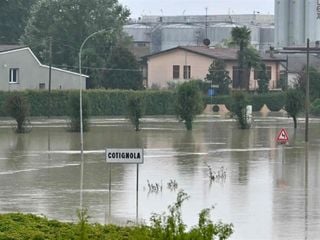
[50,66]
[306,50]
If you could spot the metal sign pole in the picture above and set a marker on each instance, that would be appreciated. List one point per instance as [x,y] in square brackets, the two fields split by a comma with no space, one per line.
[137,195]
[109,218]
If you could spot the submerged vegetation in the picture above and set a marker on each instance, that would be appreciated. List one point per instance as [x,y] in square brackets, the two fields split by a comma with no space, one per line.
[163,227]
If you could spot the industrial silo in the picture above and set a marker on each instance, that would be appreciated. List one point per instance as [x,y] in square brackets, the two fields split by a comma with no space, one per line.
[266,37]
[174,35]
[296,34]
[139,32]
[220,33]
[255,36]
[313,19]
[281,22]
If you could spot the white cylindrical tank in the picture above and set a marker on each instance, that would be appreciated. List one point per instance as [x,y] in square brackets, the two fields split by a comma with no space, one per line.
[297,22]
[221,32]
[174,35]
[255,36]
[281,22]
[266,37]
[312,24]
[139,32]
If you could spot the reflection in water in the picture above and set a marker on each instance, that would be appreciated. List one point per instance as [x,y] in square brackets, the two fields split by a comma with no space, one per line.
[270,191]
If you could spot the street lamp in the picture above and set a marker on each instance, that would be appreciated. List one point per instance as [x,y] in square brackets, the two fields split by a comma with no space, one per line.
[81,118]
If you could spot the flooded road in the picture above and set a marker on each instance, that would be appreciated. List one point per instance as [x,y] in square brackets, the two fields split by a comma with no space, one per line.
[269,191]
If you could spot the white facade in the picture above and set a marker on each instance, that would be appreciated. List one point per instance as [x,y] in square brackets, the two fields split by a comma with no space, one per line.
[20,69]
[295,21]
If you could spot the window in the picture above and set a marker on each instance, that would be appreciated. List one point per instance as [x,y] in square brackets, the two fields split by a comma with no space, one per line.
[256,73]
[14,75]
[176,71]
[269,70]
[42,85]
[186,72]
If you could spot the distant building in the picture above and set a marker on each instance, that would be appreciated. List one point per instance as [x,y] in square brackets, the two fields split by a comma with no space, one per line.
[159,33]
[20,69]
[295,21]
[296,64]
[184,63]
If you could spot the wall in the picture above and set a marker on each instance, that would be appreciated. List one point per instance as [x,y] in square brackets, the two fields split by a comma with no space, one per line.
[160,68]
[32,73]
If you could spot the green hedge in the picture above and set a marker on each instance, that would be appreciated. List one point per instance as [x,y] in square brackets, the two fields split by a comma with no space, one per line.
[274,101]
[114,102]
[101,102]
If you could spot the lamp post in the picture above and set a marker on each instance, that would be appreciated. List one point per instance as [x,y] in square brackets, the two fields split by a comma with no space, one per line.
[81,118]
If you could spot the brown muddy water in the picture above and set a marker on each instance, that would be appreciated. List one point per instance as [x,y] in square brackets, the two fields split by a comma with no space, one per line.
[269,191]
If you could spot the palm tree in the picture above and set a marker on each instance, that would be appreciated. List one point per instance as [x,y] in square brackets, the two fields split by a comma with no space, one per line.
[241,37]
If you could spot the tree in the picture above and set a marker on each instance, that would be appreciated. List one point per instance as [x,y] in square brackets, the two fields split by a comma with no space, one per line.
[74,113]
[189,103]
[263,79]
[294,104]
[18,108]
[136,107]
[314,82]
[247,56]
[68,23]
[241,37]
[239,104]
[13,19]
[124,72]
[219,76]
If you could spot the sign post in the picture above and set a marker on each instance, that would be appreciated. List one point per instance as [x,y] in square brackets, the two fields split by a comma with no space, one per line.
[125,156]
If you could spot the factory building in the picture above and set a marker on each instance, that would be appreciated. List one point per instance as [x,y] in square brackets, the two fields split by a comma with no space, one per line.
[295,21]
[159,33]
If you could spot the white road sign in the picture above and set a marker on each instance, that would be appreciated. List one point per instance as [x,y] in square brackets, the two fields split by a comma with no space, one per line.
[120,155]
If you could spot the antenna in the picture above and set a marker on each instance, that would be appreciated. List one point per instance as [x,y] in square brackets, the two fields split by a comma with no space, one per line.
[206,21]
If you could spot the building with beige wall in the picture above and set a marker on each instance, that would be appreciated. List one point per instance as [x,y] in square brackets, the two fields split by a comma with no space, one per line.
[20,69]
[181,64]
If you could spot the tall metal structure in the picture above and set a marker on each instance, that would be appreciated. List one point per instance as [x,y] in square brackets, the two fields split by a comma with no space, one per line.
[295,21]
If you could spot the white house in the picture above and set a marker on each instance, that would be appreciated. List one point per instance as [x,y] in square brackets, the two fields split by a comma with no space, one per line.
[20,69]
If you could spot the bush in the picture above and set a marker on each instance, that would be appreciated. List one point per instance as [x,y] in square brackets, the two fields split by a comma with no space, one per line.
[74,112]
[238,108]
[189,103]
[17,106]
[275,101]
[136,109]
[163,227]
[315,107]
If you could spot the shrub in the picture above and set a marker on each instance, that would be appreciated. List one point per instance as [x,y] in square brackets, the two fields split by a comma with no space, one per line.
[315,107]
[17,106]
[294,104]
[238,108]
[136,109]
[189,103]
[74,112]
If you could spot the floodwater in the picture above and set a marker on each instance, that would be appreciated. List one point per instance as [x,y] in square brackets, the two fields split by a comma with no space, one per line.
[269,191]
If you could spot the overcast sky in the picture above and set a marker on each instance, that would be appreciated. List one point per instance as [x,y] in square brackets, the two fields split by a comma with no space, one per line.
[196,7]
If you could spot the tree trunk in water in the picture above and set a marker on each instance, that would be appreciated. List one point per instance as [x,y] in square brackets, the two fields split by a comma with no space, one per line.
[295,122]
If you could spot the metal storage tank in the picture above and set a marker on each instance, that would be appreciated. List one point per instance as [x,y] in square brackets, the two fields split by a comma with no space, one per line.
[281,22]
[312,21]
[255,36]
[296,35]
[266,37]
[220,32]
[139,32]
[174,35]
